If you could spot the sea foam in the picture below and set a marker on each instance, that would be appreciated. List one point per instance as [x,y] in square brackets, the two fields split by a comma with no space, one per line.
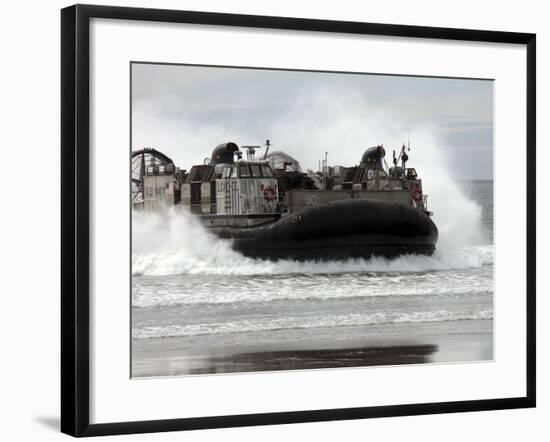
[174,242]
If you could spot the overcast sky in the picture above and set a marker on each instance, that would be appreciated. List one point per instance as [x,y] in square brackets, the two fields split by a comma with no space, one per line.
[185,111]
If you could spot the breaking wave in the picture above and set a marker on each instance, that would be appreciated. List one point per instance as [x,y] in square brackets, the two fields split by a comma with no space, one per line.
[284,323]
[146,297]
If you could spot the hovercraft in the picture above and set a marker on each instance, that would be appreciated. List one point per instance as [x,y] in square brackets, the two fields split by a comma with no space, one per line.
[270,209]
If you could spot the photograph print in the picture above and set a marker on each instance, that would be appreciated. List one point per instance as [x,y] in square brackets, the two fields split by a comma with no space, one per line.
[298,220]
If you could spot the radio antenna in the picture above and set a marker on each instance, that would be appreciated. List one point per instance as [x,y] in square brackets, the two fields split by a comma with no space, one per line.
[267,144]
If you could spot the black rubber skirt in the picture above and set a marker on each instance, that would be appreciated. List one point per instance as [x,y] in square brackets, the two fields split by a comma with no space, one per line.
[339,230]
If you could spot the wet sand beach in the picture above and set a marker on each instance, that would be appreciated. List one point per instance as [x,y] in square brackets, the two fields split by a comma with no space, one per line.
[299,349]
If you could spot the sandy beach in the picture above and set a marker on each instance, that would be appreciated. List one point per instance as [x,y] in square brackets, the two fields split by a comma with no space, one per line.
[354,346]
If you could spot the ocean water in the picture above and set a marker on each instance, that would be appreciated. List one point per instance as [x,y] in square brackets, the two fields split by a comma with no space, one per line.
[193,296]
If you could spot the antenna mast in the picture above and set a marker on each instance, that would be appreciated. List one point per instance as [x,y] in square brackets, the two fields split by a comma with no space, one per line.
[267,145]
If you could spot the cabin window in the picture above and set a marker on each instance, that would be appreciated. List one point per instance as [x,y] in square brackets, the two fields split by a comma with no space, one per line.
[266,171]
[244,172]
[226,172]
[256,173]
[234,172]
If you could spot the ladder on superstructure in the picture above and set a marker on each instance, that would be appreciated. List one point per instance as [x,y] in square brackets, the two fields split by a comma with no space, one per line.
[227,199]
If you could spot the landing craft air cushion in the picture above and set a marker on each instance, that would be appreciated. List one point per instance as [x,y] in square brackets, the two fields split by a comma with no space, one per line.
[269,208]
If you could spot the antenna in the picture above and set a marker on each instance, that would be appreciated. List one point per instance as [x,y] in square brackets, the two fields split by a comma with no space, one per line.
[404,157]
[325,169]
[267,145]
[409,134]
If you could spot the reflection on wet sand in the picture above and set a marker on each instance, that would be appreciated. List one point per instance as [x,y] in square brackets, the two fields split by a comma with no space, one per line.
[375,345]
[309,359]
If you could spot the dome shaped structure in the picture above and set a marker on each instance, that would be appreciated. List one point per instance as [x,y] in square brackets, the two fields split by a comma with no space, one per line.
[224,153]
[279,160]
[372,157]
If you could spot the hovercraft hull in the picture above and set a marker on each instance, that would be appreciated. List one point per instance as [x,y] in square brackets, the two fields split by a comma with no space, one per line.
[342,229]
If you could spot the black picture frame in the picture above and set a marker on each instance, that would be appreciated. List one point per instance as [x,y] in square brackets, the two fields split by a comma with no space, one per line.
[75,224]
